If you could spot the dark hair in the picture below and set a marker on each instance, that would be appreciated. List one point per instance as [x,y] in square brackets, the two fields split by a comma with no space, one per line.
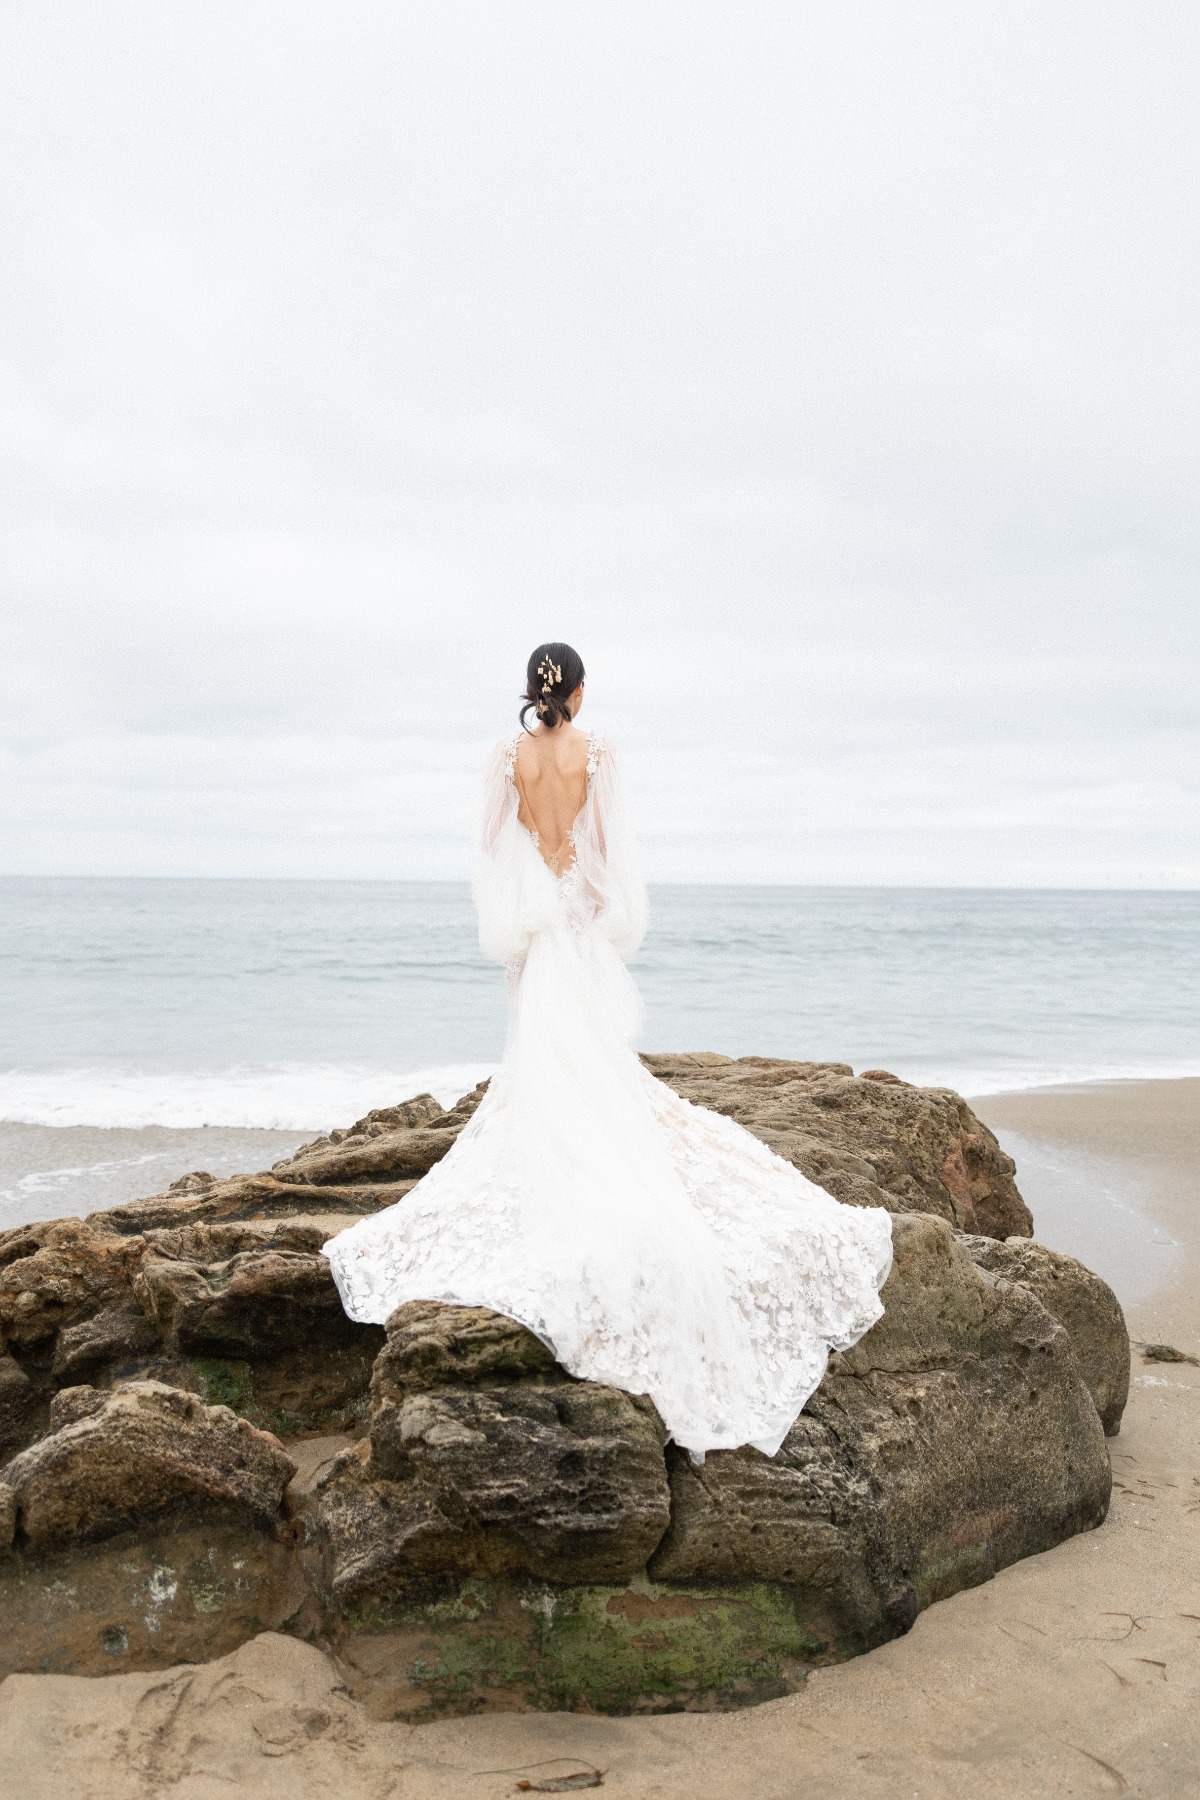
[553,672]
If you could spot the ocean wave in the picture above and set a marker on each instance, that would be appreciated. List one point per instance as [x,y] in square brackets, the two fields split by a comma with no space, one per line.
[315,1097]
[279,1096]
[978,1082]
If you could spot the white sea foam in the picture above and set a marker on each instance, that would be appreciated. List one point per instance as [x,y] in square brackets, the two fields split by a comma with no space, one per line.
[975,1083]
[316,1096]
[276,1096]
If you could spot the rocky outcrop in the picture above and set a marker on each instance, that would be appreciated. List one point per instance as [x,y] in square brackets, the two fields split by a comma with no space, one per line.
[1084,1306]
[133,1454]
[244,1313]
[464,1523]
[57,1274]
[257,1304]
[871,1140]
[485,1459]
[955,1438]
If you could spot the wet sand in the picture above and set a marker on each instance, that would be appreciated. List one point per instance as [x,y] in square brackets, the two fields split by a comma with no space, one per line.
[68,1171]
[1073,1673]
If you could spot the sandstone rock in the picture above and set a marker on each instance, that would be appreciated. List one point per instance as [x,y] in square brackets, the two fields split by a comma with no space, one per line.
[216,1241]
[798,1520]
[195,1183]
[487,1541]
[422,1109]
[1084,1305]
[484,1458]
[402,1155]
[956,1437]
[24,1240]
[868,1141]
[120,1333]
[393,1143]
[74,1271]
[246,1197]
[155,1594]
[132,1454]
[18,1398]
[430,1345]
[257,1304]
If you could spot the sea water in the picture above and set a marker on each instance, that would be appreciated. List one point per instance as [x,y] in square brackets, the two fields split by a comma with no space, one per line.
[292,1004]
[286,1007]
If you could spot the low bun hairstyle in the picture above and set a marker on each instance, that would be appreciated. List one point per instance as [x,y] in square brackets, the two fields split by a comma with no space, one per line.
[553,672]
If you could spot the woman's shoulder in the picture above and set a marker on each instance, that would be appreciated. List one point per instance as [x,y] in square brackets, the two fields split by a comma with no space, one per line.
[592,747]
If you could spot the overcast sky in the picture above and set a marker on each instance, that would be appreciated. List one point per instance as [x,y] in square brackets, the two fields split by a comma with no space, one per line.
[827,374]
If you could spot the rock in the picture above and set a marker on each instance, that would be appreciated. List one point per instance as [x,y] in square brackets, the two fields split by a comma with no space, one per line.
[430,1345]
[402,1155]
[259,1303]
[133,1453]
[485,1458]
[153,1595]
[206,1241]
[24,1240]
[313,1457]
[869,1142]
[466,1524]
[18,1399]
[120,1333]
[74,1270]
[955,1438]
[1084,1305]
[798,1521]
[263,1331]
[422,1109]
[246,1197]
[393,1143]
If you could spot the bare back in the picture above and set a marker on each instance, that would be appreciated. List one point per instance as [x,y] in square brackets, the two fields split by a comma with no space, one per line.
[551,778]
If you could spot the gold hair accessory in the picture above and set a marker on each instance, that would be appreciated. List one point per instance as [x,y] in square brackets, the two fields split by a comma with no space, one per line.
[550,674]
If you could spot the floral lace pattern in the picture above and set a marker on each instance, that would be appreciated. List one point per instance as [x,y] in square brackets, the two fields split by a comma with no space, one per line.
[653,1245]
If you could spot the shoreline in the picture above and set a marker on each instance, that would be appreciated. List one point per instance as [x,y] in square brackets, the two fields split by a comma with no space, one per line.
[1148,1135]
[56,1167]
[1073,1672]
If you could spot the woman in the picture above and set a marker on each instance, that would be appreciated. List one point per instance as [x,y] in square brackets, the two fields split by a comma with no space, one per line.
[653,1245]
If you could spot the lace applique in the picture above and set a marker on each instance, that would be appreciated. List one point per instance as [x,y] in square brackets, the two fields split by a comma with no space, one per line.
[595,745]
[510,756]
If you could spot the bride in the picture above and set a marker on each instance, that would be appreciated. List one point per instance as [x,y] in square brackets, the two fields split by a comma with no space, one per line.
[653,1245]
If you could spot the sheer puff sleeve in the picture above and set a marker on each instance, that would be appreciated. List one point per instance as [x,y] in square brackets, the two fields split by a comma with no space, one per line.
[511,899]
[606,855]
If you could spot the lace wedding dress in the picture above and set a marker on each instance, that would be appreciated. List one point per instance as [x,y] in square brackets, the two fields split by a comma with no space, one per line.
[652,1244]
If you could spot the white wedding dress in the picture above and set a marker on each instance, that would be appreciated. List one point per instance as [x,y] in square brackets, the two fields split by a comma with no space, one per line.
[652,1244]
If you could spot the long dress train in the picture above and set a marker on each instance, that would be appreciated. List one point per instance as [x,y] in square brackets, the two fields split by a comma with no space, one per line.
[653,1245]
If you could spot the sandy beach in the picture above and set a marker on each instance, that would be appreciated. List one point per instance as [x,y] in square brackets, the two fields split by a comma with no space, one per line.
[1073,1673]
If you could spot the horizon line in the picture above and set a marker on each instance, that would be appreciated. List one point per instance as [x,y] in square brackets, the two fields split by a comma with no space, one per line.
[892,887]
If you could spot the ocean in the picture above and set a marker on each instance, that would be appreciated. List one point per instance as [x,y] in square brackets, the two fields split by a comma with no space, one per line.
[151,1026]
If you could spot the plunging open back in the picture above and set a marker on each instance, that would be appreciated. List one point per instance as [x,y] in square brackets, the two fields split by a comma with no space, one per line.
[527,814]
[653,1245]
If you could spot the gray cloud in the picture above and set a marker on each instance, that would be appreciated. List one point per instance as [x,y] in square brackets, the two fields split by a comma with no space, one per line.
[829,375]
